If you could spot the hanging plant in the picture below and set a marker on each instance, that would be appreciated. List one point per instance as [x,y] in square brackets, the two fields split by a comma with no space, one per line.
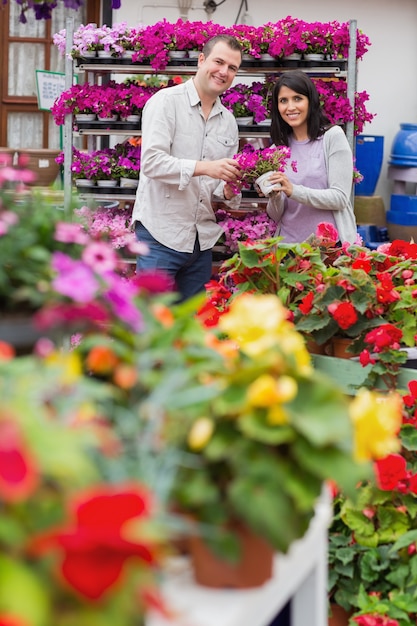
[42,9]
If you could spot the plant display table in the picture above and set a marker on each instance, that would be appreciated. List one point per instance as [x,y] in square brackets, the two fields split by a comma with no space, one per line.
[299,575]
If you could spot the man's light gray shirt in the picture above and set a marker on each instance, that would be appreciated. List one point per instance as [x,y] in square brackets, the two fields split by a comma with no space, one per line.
[171,203]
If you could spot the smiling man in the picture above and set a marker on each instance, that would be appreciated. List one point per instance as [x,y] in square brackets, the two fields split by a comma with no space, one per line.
[188,140]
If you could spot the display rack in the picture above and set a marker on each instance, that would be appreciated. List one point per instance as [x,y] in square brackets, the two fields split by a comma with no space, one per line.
[99,69]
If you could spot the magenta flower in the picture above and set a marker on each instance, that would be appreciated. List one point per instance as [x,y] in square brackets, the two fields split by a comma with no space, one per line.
[74,279]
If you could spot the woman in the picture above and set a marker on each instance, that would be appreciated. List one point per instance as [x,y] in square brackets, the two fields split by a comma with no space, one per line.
[320,188]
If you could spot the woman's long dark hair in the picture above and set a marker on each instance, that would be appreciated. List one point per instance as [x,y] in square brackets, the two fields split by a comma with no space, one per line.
[317,122]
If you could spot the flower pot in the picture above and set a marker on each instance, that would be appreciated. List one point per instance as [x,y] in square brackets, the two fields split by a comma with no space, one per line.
[132,119]
[339,347]
[314,56]
[265,56]
[85,117]
[42,163]
[177,54]
[89,54]
[107,183]
[84,182]
[266,122]
[264,184]
[338,616]
[253,569]
[130,183]
[104,54]
[245,120]
[110,118]
[315,348]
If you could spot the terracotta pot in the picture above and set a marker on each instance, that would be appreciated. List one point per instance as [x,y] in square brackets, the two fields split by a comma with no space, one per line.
[339,347]
[252,570]
[338,616]
[315,348]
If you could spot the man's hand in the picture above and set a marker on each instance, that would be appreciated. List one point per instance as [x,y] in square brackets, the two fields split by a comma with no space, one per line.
[223,169]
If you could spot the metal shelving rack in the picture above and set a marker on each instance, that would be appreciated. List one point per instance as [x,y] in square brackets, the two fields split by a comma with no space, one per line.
[346,70]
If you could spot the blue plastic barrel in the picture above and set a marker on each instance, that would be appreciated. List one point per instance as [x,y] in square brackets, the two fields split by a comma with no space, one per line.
[404,146]
[369,155]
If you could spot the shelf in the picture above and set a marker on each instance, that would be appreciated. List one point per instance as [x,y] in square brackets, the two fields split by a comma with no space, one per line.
[268,68]
[107,196]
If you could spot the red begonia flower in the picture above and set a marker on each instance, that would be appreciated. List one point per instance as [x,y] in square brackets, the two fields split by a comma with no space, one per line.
[306,303]
[344,314]
[93,544]
[390,470]
[384,336]
[18,470]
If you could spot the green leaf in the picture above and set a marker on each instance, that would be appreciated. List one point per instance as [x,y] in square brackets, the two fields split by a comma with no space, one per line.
[23,593]
[408,436]
[405,540]
[325,418]
[255,427]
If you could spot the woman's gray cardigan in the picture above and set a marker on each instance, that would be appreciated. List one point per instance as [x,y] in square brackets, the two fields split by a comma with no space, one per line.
[336,198]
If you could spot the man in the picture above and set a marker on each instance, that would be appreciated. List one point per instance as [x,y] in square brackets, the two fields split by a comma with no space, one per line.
[188,139]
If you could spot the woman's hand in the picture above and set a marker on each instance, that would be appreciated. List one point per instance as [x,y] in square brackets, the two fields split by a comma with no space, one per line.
[281,179]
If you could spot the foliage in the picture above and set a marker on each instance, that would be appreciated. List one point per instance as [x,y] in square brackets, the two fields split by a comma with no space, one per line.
[333,290]
[372,540]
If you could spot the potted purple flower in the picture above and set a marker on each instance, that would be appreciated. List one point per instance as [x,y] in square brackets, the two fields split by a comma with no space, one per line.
[256,165]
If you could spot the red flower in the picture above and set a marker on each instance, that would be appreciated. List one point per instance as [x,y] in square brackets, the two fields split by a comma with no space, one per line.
[384,336]
[375,620]
[306,303]
[344,314]
[7,352]
[18,470]
[403,249]
[390,471]
[366,359]
[93,542]
[12,620]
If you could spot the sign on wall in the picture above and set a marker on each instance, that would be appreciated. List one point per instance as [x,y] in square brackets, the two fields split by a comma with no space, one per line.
[49,86]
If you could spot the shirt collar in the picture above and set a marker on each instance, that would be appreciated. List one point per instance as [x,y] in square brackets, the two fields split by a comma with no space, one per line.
[195,98]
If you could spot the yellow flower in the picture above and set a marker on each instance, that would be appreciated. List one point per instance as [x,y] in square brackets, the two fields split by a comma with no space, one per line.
[277,415]
[292,343]
[200,433]
[69,365]
[254,321]
[377,420]
[266,391]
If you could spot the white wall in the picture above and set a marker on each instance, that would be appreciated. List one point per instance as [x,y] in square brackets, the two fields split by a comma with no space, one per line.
[388,72]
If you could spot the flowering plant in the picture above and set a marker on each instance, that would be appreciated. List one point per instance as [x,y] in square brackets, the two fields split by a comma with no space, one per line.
[127,158]
[253,162]
[104,100]
[248,100]
[56,441]
[264,356]
[27,227]
[253,226]
[107,163]
[372,539]
[336,291]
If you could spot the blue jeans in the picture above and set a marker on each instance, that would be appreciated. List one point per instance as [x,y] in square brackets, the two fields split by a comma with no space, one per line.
[190,270]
